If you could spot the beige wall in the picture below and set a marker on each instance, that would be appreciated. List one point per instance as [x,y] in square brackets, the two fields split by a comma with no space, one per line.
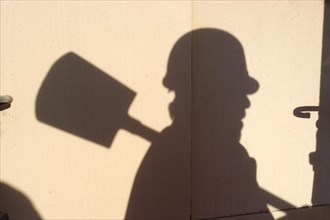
[66,176]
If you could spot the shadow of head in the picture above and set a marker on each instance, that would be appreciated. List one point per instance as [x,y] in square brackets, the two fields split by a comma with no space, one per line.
[209,65]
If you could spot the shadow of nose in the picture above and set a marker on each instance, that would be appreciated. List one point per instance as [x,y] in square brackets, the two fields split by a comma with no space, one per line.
[252,86]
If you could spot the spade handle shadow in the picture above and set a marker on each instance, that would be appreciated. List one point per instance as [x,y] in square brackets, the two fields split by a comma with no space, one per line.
[136,127]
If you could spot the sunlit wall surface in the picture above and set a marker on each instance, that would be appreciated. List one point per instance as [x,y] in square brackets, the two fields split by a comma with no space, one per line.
[158,109]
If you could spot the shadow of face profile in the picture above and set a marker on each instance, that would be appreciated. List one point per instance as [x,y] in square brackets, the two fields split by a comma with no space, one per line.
[208,66]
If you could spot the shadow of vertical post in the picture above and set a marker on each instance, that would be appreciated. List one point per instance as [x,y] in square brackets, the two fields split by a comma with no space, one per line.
[320,159]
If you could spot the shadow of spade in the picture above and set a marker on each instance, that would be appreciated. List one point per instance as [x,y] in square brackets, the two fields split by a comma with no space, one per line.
[81,99]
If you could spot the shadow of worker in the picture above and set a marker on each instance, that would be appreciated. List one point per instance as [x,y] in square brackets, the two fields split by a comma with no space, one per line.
[197,166]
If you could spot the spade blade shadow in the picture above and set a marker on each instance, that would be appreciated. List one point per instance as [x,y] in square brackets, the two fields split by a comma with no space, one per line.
[81,99]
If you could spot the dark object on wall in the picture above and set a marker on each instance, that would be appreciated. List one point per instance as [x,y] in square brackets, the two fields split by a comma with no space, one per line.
[3,216]
[16,204]
[5,102]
